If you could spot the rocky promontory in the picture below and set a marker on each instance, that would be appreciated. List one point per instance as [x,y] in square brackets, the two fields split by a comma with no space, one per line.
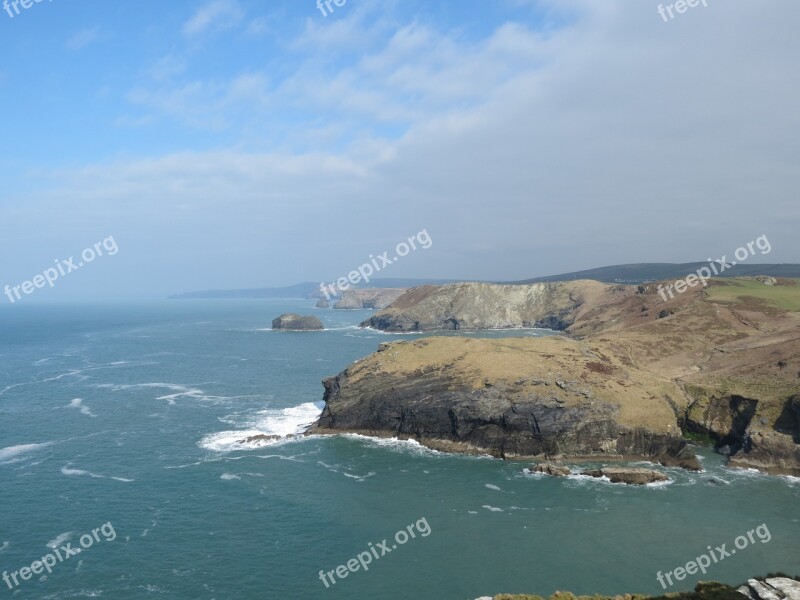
[377,299]
[638,374]
[511,398]
[295,322]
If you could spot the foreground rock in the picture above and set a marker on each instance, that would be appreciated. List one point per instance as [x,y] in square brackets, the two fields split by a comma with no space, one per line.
[511,398]
[295,322]
[630,476]
[370,298]
[550,469]
[772,588]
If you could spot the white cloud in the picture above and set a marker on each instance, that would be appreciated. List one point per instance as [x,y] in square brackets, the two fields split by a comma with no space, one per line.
[83,38]
[214,16]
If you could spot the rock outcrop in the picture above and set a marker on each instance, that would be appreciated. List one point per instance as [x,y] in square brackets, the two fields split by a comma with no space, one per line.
[511,398]
[628,475]
[295,322]
[550,469]
[487,306]
[322,303]
[771,588]
[377,299]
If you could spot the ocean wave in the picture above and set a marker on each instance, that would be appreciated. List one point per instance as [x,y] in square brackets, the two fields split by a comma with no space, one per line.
[229,477]
[491,486]
[283,422]
[393,443]
[492,508]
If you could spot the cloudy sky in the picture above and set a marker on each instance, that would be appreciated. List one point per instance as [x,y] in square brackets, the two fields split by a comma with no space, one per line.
[247,143]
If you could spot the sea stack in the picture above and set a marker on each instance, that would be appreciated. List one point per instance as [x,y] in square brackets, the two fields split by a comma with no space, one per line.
[295,322]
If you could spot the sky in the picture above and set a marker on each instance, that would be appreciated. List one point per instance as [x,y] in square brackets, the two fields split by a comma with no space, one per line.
[249,143]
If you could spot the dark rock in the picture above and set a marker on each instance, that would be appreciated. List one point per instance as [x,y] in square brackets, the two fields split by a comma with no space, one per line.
[259,438]
[550,469]
[295,322]
[630,476]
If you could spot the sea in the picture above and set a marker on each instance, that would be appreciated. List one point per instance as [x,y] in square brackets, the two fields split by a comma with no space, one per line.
[121,458]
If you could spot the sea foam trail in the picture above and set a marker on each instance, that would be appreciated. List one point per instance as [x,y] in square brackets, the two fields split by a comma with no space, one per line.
[181,391]
[67,471]
[282,422]
[12,452]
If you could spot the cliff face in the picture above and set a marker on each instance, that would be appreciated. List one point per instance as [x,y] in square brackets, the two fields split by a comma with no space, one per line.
[488,306]
[370,298]
[516,397]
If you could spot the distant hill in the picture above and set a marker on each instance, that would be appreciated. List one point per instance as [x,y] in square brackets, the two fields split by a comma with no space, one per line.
[305,290]
[644,272]
[632,273]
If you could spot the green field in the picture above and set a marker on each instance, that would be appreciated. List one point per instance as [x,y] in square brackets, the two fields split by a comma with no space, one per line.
[786,297]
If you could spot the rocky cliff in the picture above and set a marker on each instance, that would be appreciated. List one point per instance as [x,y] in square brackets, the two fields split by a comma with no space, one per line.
[370,298]
[488,306]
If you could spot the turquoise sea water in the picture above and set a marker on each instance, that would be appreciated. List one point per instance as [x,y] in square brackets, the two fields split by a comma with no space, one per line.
[128,414]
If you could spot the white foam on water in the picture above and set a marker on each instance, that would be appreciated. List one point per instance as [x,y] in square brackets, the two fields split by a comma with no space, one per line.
[229,477]
[393,443]
[4,546]
[492,508]
[282,422]
[181,391]
[65,470]
[491,486]
[78,403]
[59,540]
[11,453]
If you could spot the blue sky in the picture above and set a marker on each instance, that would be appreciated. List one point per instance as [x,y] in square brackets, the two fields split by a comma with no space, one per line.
[235,143]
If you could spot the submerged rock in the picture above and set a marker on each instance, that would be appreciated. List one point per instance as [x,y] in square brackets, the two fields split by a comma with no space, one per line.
[628,475]
[259,438]
[550,469]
